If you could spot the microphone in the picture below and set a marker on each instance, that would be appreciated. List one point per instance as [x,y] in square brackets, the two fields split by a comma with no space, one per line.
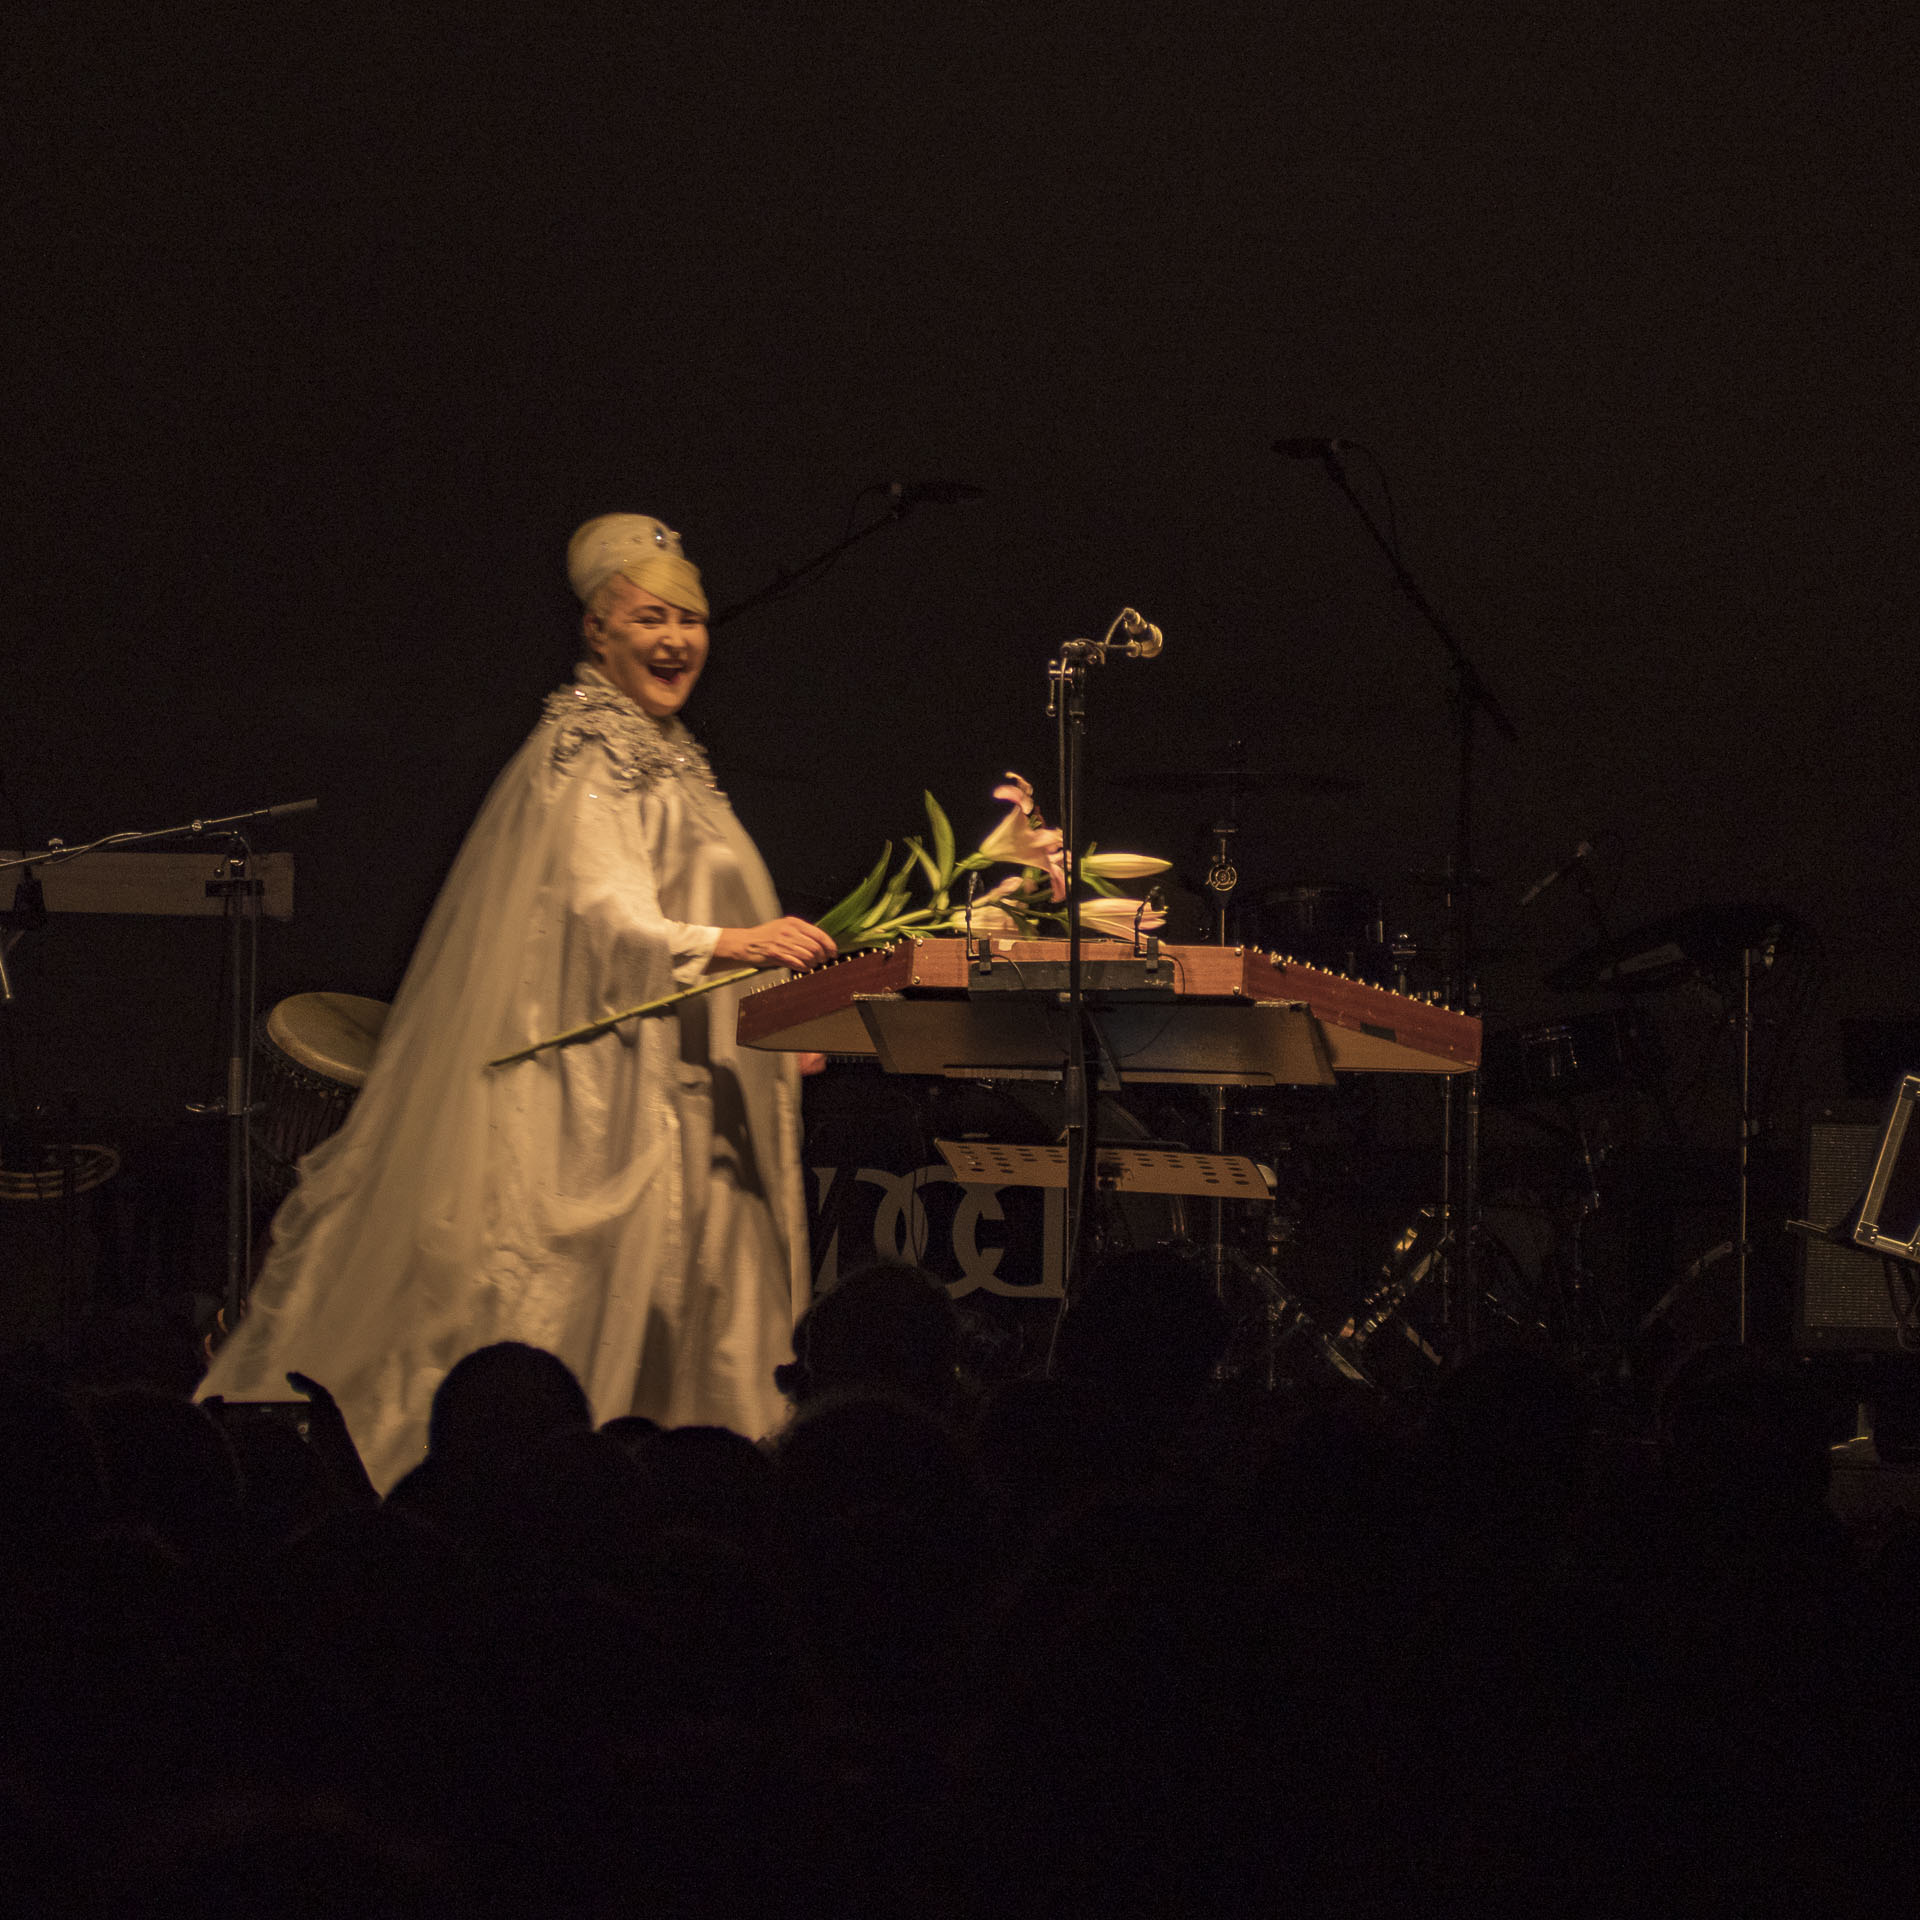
[1559,873]
[1310,449]
[1143,639]
[939,493]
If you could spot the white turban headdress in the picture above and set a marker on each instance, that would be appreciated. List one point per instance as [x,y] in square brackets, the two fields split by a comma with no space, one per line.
[641,548]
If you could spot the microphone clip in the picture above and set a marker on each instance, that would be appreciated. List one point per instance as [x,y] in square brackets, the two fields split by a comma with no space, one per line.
[1131,634]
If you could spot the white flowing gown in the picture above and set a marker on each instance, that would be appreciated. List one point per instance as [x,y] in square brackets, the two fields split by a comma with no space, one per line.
[631,1203]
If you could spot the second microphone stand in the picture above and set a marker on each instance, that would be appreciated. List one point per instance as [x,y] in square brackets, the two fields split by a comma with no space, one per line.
[1067,704]
[1470,698]
[1132,634]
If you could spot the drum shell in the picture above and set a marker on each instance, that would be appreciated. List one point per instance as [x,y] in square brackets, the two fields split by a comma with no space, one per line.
[298,1103]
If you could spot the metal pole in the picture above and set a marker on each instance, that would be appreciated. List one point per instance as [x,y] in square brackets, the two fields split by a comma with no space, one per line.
[1222,878]
[1746,1125]
[241,894]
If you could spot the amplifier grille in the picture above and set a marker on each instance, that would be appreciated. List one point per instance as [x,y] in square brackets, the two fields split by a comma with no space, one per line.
[1841,1296]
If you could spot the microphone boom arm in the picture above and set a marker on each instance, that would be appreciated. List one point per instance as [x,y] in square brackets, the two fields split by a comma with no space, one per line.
[901,501]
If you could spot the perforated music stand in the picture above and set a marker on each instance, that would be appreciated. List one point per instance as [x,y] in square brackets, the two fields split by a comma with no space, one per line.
[1209,1176]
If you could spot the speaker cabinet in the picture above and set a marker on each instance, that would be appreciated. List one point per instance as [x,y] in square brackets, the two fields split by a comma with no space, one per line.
[1840,1299]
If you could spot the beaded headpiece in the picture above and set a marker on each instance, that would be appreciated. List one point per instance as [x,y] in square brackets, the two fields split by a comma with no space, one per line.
[644,550]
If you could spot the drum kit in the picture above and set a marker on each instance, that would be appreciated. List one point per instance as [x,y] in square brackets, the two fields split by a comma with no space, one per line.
[1608,1186]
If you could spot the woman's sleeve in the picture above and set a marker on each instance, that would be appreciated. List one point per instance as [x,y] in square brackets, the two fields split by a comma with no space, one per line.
[621,949]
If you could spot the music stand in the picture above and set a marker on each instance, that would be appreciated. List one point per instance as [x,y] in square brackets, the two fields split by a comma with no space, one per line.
[1212,1176]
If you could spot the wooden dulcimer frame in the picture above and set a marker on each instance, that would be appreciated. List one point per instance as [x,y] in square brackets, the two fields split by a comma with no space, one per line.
[1198,1015]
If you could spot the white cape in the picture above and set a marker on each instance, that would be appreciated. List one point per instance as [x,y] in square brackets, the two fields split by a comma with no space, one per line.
[631,1203]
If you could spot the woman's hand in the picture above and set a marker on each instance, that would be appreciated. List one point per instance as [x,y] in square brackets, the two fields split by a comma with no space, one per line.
[789,942]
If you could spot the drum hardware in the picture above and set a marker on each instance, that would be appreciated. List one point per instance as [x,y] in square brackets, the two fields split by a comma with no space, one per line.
[1275,1337]
[1396,1338]
[1702,945]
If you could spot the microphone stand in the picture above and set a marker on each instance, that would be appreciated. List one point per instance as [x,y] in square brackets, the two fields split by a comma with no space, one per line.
[57,852]
[901,502]
[1470,698]
[1067,705]
[240,894]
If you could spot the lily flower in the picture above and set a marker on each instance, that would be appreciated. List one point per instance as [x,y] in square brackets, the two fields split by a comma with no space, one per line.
[1120,919]
[985,919]
[1023,840]
[1122,866]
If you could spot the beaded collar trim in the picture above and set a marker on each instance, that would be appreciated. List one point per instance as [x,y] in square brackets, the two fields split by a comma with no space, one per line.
[641,748]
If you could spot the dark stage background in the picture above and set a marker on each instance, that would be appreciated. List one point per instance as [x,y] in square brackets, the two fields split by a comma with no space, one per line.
[328,323]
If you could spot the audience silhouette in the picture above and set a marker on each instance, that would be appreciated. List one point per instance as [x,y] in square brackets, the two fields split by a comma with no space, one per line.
[1144,1636]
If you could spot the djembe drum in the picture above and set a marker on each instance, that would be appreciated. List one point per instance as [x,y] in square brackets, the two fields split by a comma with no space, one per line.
[310,1059]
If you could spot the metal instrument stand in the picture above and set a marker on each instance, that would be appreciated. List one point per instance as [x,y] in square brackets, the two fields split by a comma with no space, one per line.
[1749,1126]
[1223,877]
[1067,706]
[241,894]
[1131,634]
[1470,698]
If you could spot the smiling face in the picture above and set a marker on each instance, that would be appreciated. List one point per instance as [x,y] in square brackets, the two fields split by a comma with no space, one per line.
[651,651]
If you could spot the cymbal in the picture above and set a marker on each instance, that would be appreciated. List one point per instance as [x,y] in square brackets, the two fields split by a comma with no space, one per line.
[1663,952]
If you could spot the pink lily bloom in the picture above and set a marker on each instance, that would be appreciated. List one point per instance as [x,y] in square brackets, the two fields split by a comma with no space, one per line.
[1022,840]
[1120,919]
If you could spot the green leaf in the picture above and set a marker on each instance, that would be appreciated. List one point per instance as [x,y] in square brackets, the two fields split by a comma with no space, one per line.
[849,913]
[894,898]
[942,841]
[934,877]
